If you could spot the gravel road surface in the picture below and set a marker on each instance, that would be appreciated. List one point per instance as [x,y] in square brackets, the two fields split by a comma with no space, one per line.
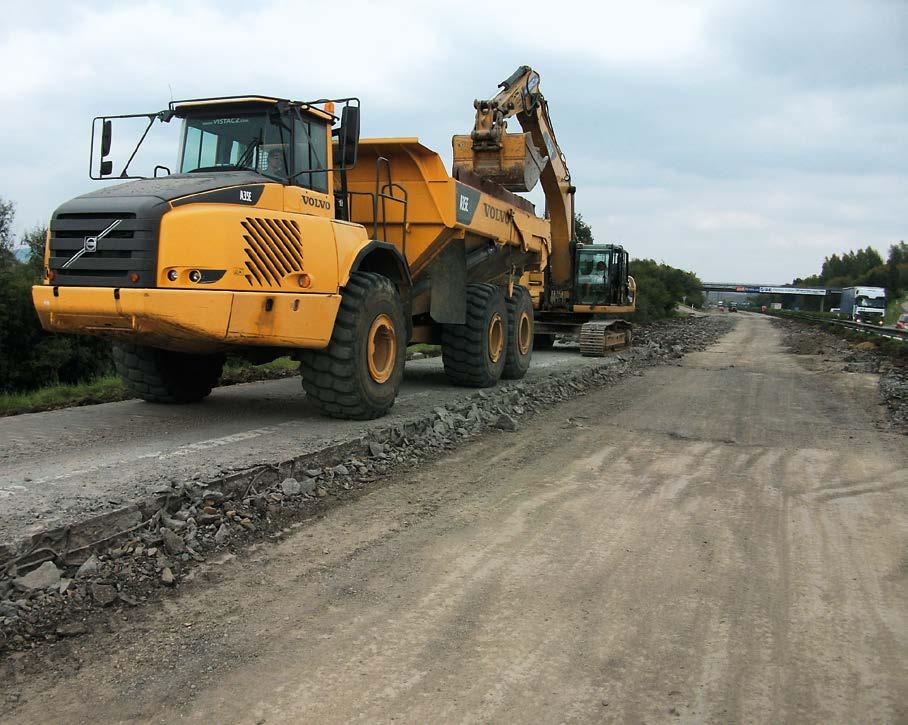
[719,541]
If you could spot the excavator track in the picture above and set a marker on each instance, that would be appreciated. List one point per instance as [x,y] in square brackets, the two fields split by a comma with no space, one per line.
[600,336]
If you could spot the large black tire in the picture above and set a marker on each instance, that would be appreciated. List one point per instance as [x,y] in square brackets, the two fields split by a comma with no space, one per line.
[520,334]
[349,379]
[543,341]
[163,376]
[474,353]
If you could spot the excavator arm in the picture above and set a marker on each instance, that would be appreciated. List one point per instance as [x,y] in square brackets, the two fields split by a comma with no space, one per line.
[518,161]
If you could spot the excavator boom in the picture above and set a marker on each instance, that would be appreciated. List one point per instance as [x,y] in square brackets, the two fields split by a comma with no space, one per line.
[518,161]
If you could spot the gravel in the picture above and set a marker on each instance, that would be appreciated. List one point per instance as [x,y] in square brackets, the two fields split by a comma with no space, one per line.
[198,519]
[855,357]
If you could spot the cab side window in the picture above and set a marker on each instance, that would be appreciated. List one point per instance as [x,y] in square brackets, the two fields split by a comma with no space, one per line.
[310,154]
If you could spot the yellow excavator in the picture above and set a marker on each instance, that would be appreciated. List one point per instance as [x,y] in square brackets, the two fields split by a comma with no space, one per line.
[281,231]
[585,287]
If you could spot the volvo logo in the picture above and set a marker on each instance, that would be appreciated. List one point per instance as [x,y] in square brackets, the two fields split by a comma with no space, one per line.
[90,244]
[318,203]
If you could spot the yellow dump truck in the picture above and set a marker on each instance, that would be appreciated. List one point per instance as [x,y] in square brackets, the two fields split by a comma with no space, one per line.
[282,231]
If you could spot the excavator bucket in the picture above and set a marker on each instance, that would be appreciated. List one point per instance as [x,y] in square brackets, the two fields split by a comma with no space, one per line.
[514,163]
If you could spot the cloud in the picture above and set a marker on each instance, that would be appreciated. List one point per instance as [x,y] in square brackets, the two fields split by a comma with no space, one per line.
[730,138]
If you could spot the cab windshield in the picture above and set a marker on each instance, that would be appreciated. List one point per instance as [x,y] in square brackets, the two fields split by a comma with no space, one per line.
[877,303]
[278,145]
[593,276]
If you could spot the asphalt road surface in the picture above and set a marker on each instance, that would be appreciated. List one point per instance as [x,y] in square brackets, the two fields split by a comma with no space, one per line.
[723,541]
[58,466]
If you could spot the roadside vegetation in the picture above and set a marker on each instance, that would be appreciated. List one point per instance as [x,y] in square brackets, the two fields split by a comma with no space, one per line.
[865,267]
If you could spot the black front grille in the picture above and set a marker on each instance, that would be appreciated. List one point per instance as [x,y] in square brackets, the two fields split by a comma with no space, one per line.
[129,249]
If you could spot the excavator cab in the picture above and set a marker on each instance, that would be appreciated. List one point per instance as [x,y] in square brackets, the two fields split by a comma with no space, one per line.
[600,274]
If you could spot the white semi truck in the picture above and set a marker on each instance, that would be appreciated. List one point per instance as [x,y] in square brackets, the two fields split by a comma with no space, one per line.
[864,304]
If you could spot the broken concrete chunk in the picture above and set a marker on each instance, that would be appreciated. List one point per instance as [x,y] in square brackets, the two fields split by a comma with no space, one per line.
[72,629]
[173,542]
[506,422]
[89,568]
[46,576]
[103,594]
[291,487]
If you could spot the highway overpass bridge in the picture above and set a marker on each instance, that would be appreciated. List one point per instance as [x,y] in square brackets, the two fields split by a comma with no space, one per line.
[824,293]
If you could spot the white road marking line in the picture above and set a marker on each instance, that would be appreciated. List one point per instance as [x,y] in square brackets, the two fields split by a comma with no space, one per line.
[160,455]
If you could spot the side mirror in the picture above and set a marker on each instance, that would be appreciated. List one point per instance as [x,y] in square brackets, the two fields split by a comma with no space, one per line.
[348,142]
[106,133]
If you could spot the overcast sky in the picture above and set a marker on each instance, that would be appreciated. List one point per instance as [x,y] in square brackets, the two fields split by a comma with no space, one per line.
[743,141]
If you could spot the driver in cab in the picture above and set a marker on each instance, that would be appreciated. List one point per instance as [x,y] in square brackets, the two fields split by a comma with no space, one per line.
[275,165]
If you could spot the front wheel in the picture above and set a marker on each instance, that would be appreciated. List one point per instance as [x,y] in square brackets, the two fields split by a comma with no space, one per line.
[163,376]
[358,375]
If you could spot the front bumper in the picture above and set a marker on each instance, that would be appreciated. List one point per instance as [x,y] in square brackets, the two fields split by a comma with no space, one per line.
[189,320]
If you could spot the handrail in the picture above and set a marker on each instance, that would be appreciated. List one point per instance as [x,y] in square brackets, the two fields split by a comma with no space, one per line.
[384,193]
[879,330]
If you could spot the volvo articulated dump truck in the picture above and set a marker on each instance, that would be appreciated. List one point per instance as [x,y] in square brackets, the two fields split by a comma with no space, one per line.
[282,231]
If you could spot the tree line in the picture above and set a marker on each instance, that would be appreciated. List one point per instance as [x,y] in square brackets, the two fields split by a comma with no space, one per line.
[864,267]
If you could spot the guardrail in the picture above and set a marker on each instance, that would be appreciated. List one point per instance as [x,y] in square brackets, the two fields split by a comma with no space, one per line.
[893,333]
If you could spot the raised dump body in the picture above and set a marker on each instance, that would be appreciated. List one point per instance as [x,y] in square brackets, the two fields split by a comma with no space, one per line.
[448,230]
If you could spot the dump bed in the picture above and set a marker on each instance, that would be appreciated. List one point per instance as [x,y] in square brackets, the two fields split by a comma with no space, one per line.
[402,193]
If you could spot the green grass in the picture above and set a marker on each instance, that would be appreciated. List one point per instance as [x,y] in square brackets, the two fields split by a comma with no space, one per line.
[239,371]
[425,349]
[103,390]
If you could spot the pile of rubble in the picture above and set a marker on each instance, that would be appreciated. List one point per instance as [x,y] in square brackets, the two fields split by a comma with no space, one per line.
[894,391]
[54,600]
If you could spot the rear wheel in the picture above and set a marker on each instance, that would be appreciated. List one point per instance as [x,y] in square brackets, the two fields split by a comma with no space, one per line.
[474,353]
[520,334]
[358,375]
[163,376]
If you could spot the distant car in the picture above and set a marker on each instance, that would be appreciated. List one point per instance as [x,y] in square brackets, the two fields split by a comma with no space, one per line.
[732,308]
[902,322]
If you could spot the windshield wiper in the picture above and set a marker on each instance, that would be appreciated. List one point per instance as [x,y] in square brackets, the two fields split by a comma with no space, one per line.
[243,161]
